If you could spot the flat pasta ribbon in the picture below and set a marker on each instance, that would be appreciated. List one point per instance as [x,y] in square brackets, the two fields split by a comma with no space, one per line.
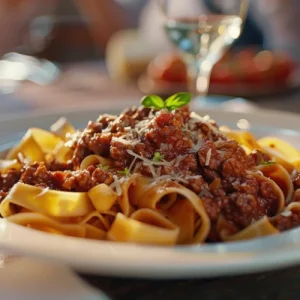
[262,227]
[35,146]
[103,197]
[281,177]
[280,196]
[155,192]
[49,202]
[125,199]
[145,226]
[62,128]
[279,148]
[44,223]
[248,141]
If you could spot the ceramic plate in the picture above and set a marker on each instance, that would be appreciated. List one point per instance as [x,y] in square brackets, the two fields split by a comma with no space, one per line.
[110,258]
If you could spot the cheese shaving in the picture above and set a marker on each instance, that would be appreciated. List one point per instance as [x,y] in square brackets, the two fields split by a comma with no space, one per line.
[22,159]
[148,161]
[168,178]
[124,141]
[158,171]
[196,148]
[121,140]
[286,213]
[116,185]
[137,167]
[193,177]
[152,170]
[43,192]
[132,164]
[207,121]
[179,159]
[208,156]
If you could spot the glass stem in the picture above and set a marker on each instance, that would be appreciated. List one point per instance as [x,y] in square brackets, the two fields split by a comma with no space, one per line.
[203,76]
[199,72]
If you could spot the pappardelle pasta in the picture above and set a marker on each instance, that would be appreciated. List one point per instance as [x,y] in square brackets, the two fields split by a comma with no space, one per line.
[161,175]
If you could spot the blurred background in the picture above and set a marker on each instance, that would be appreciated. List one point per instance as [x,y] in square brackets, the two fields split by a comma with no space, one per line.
[120,47]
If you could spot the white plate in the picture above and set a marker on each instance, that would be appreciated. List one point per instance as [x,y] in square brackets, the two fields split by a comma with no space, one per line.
[110,258]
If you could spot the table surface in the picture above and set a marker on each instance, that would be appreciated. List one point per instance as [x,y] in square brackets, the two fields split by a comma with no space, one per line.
[278,285]
[86,85]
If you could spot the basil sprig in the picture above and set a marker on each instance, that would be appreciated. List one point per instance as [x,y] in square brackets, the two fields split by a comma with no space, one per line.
[176,101]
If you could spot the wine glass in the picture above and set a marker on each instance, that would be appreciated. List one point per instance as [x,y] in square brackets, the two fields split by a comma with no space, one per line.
[202,36]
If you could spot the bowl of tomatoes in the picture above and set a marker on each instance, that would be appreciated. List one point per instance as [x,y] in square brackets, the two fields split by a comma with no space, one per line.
[245,73]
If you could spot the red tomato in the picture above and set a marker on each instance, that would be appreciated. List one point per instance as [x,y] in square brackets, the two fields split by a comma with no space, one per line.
[284,66]
[245,54]
[168,67]
[222,74]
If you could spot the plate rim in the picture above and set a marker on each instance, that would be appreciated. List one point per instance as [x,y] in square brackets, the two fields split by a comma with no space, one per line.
[39,113]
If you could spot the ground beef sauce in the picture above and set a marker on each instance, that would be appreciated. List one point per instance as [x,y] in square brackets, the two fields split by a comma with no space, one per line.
[190,149]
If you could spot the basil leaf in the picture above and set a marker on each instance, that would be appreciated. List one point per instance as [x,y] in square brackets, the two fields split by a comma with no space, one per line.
[177,100]
[153,101]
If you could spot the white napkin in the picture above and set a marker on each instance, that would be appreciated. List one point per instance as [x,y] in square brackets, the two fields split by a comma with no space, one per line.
[30,279]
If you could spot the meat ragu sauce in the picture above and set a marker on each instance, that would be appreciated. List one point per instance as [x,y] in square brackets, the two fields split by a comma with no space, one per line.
[184,146]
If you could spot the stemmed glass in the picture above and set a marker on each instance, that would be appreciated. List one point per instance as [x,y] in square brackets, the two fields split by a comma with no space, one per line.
[202,36]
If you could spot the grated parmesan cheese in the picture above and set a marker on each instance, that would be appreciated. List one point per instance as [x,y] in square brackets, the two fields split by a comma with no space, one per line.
[207,118]
[158,171]
[22,159]
[43,192]
[168,178]
[208,156]
[196,148]
[179,159]
[148,161]
[132,164]
[122,140]
[152,170]
[116,185]
[286,213]
[108,128]
[207,121]
[137,167]
[193,177]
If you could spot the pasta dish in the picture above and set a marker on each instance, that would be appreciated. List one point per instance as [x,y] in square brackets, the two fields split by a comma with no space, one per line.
[156,174]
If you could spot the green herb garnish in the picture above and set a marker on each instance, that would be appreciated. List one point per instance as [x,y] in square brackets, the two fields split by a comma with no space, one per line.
[158,157]
[124,172]
[105,168]
[176,101]
[153,101]
[267,163]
